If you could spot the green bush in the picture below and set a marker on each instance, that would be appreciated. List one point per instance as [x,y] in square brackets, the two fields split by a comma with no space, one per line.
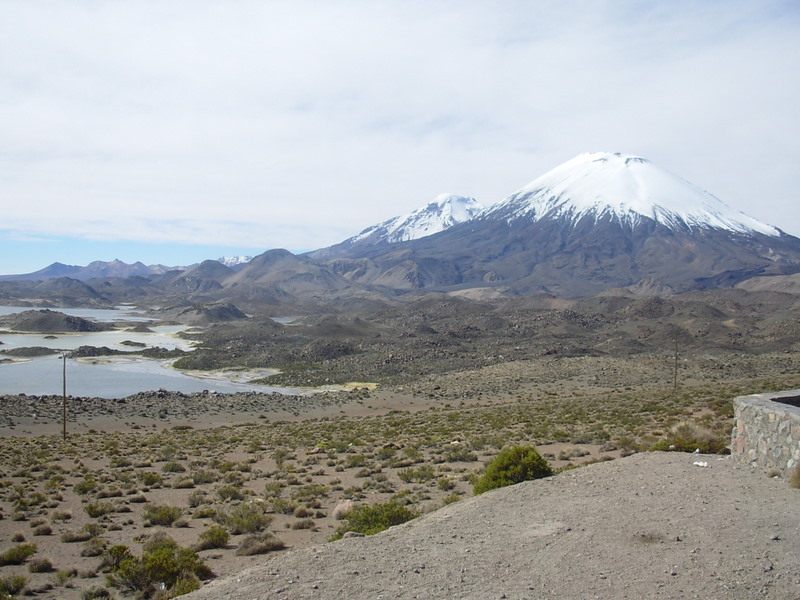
[357,460]
[115,555]
[69,537]
[150,478]
[162,514]
[94,547]
[173,467]
[230,492]
[16,555]
[204,476]
[215,536]
[419,475]
[98,509]
[510,466]
[86,485]
[163,563]
[687,437]
[371,519]
[12,585]
[244,518]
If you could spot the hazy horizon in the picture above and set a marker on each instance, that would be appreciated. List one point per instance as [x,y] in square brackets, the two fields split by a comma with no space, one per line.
[177,132]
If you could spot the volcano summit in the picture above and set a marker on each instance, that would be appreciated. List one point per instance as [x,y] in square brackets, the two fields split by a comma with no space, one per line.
[598,221]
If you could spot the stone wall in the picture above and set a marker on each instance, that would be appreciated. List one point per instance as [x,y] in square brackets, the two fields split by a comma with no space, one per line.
[766,433]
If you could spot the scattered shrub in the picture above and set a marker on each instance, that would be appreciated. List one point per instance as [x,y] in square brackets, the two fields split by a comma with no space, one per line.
[214,536]
[260,543]
[69,537]
[163,563]
[301,512]
[201,477]
[283,505]
[510,466]
[16,555]
[420,474]
[273,489]
[196,498]
[114,555]
[86,485]
[230,492]
[96,593]
[94,547]
[371,519]
[687,437]
[303,524]
[244,518]
[61,515]
[173,467]
[98,509]
[161,514]
[12,585]
[63,576]
[150,478]
[309,492]
[459,453]
[445,484]
[40,565]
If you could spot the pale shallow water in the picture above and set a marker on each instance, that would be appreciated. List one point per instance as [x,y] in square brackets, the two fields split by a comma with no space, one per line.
[115,378]
[106,377]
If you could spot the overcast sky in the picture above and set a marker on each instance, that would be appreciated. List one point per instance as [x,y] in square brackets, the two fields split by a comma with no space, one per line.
[175,131]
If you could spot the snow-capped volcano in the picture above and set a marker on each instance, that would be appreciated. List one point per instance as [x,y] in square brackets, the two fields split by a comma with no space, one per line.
[626,189]
[598,221]
[444,212]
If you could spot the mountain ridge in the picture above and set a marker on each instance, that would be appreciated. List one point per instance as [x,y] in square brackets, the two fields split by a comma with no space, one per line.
[598,222]
[445,211]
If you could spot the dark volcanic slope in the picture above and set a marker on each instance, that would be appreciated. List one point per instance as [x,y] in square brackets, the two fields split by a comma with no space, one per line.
[596,222]
[49,321]
[574,259]
[441,334]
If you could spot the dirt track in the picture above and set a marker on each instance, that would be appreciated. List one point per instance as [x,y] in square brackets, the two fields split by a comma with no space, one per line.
[648,526]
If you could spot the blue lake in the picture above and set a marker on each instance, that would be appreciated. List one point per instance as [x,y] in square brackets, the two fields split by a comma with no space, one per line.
[109,377]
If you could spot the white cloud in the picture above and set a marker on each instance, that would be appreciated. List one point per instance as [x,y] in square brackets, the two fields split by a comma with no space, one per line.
[296,124]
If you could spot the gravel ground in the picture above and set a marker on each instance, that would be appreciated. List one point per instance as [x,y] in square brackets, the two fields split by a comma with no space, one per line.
[651,525]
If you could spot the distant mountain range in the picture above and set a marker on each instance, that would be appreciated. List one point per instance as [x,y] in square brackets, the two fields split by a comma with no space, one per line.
[114,268]
[597,222]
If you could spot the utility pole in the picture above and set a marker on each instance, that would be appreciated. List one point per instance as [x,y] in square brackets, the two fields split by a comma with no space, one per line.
[64,398]
[675,376]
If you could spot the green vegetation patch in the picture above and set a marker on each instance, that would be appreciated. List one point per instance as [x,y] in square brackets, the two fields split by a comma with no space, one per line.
[513,465]
[372,519]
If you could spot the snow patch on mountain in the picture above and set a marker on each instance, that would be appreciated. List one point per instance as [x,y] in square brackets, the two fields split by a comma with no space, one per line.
[627,188]
[444,212]
[232,261]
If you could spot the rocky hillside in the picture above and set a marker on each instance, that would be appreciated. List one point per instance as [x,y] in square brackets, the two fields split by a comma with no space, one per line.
[50,321]
[647,526]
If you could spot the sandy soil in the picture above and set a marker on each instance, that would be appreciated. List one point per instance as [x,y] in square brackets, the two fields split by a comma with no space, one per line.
[647,526]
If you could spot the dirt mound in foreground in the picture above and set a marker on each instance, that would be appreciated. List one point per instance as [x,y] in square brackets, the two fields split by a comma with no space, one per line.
[648,526]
